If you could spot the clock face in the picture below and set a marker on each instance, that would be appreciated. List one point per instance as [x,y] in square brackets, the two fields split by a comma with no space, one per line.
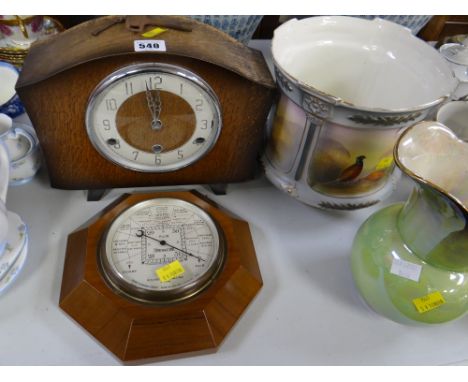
[162,250]
[153,117]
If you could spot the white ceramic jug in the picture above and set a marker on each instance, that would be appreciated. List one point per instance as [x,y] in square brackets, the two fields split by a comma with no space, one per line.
[22,145]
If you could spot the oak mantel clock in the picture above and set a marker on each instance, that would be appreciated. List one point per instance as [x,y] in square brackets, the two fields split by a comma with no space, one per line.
[159,274]
[114,109]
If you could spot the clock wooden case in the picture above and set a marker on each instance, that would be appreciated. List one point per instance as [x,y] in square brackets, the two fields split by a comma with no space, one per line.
[64,76]
[136,331]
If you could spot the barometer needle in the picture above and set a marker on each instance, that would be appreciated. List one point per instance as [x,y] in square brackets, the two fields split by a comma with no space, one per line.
[141,233]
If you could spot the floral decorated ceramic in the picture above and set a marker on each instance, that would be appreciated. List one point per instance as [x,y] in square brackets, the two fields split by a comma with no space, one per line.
[21,31]
[4,177]
[15,269]
[410,260]
[16,240]
[13,232]
[349,87]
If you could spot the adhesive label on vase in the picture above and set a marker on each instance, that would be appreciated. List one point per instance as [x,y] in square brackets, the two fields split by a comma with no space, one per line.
[406,269]
[429,302]
[384,163]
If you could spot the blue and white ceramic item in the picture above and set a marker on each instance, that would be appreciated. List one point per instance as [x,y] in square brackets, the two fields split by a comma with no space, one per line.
[241,27]
[10,103]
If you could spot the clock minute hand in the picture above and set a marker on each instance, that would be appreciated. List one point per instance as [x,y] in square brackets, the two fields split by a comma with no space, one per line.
[141,233]
[155,108]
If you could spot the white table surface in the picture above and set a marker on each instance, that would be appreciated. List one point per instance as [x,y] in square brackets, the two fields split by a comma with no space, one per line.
[307,313]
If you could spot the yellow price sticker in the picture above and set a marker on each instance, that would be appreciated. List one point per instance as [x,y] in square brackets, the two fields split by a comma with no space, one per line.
[154,32]
[429,302]
[384,163]
[170,271]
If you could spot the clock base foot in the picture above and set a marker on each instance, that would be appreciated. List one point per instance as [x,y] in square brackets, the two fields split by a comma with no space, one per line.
[218,188]
[95,195]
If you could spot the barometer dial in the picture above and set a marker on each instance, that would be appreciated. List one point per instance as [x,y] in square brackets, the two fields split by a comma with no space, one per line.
[162,250]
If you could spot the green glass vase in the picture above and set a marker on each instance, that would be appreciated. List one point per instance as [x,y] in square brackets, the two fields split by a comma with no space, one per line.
[410,260]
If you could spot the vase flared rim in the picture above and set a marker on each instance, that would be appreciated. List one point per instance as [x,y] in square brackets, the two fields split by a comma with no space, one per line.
[463,205]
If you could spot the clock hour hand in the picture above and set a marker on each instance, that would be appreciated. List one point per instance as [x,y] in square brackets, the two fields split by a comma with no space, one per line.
[141,233]
[154,106]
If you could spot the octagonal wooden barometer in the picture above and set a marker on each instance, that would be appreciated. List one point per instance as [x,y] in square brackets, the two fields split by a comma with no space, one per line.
[159,274]
[115,109]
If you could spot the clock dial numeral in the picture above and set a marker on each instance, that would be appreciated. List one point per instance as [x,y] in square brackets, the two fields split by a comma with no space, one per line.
[199,104]
[181,89]
[129,88]
[155,82]
[107,124]
[180,154]
[157,160]
[204,124]
[111,104]
[135,155]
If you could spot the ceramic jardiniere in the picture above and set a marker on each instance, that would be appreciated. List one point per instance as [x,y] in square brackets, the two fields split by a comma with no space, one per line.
[410,260]
[348,88]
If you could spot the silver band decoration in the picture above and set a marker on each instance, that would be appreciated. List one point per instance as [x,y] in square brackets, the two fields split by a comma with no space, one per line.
[316,106]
